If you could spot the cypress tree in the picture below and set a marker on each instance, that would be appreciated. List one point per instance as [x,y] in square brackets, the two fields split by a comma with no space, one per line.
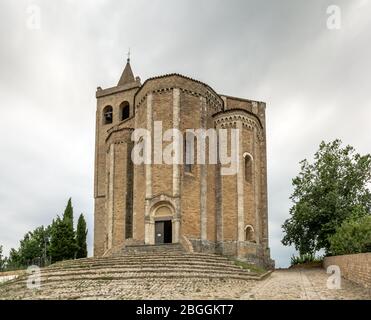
[68,213]
[81,233]
[68,220]
[62,243]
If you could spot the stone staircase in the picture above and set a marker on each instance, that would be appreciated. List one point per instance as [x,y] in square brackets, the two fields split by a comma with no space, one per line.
[140,264]
[161,248]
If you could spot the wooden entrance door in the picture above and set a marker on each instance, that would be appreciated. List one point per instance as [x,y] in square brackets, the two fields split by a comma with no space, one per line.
[163,232]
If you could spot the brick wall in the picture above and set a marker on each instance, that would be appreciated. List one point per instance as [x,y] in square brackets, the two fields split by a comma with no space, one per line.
[209,215]
[354,267]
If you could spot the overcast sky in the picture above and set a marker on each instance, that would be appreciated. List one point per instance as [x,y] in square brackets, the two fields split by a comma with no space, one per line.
[316,82]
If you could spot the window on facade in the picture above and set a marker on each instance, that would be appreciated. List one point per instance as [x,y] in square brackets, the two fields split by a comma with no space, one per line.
[187,153]
[124,110]
[249,234]
[107,115]
[248,169]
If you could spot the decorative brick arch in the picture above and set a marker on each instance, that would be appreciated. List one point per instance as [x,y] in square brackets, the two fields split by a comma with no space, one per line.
[162,209]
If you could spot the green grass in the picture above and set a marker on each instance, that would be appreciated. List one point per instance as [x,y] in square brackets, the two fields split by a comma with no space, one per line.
[251,267]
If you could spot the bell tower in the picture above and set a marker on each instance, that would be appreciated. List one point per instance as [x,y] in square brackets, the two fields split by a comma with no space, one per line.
[115,107]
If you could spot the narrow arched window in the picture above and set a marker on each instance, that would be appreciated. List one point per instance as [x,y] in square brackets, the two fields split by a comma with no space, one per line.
[124,110]
[249,234]
[107,115]
[188,152]
[248,168]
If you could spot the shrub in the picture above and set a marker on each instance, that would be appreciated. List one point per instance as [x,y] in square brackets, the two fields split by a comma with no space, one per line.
[353,236]
[305,258]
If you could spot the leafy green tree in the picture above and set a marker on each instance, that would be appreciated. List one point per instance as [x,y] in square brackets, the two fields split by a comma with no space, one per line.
[353,236]
[29,249]
[81,233]
[327,192]
[62,244]
[57,241]
[34,246]
[14,261]
[42,235]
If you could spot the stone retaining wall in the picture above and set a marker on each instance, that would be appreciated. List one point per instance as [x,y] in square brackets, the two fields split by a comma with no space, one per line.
[354,267]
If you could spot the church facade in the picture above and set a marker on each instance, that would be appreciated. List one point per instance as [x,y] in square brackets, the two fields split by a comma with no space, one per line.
[190,203]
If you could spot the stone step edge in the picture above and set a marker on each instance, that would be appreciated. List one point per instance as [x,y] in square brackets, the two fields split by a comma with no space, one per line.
[143,274]
[139,259]
[142,262]
[140,274]
[147,269]
[135,256]
[151,276]
[20,282]
[149,262]
[141,266]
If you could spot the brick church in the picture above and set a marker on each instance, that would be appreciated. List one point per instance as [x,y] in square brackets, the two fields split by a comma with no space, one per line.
[189,204]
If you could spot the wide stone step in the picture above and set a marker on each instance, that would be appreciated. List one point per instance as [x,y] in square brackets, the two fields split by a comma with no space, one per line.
[175,264]
[129,272]
[145,269]
[139,262]
[154,258]
[148,256]
[164,274]
[150,269]
[143,262]
[160,254]
[169,247]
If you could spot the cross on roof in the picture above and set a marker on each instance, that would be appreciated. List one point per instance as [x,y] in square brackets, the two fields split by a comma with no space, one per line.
[128,55]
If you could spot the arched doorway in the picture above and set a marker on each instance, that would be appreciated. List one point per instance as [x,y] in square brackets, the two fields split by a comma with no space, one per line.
[163,224]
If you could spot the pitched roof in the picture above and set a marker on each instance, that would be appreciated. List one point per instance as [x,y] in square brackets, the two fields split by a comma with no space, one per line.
[127,75]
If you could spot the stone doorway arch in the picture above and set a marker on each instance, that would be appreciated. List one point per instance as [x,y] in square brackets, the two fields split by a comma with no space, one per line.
[162,220]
